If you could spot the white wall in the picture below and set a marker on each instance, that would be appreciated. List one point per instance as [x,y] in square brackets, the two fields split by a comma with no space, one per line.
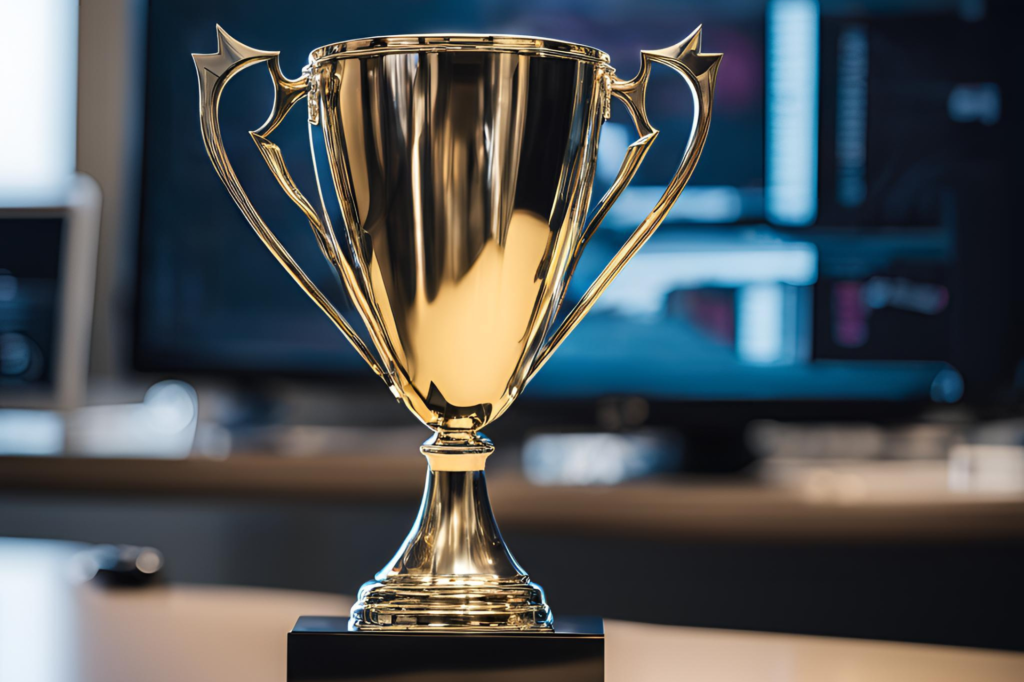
[37,95]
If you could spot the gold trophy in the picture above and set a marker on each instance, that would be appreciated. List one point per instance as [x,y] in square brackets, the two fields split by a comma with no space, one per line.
[455,176]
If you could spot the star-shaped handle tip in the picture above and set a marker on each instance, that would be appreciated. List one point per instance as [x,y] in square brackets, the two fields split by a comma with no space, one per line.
[687,53]
[229,53]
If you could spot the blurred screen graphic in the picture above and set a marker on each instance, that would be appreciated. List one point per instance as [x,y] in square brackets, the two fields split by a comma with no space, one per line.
[811,257]
[30,263]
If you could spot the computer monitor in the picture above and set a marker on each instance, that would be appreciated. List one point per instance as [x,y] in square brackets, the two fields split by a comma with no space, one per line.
[786,272]
[48,245]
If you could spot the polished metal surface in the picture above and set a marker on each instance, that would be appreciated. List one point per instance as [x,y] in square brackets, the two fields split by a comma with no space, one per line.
[463,42]
[455,176]
[453,563]
[461,180]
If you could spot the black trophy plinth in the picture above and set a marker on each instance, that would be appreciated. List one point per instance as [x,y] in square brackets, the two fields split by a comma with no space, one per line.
[322,649]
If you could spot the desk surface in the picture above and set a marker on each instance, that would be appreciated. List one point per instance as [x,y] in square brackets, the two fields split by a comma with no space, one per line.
[54,630]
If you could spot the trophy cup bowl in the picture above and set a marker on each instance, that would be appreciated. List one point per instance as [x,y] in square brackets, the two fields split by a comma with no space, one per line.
[455,176]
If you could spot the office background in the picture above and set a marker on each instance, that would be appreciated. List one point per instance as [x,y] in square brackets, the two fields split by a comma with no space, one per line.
[797,410]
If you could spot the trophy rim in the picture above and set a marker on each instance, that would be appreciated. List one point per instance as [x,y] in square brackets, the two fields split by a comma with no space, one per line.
[452,42]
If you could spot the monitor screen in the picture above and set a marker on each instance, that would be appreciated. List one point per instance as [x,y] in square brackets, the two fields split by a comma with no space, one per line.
[753,289]
[30,276]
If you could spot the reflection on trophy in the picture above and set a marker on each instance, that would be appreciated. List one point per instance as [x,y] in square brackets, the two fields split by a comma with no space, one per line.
[455,176]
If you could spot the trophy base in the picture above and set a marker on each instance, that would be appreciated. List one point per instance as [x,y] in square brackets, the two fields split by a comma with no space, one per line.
[486,605]
[324,649]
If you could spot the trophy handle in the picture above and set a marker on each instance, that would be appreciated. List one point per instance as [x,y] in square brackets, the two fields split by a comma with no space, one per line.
[214,71]
[700,71]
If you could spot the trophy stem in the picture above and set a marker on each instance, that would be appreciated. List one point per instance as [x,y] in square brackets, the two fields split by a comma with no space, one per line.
[453,570]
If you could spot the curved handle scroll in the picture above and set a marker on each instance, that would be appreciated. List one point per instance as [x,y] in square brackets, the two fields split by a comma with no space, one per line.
[214,71]
[700,71]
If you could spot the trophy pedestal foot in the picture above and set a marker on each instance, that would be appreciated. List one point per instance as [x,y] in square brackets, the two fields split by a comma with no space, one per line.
[485,605]
[325,650]
[453,572]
